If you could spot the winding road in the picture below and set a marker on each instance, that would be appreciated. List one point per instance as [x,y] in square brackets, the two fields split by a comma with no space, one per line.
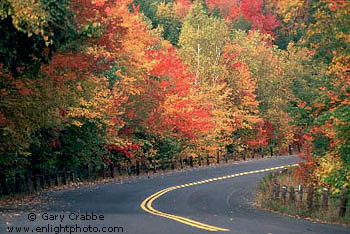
[216,199]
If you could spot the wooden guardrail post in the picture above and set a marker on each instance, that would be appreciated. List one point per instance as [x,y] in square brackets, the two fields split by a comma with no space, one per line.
[137,168]
[325,198]
[17,183]
[236,156]
[276,191]
[27,182]
[87,171]
[300,192]
[145,167]
[133,169]
[55,177]
[129,168]
[218,157]
[310,196]
[343,202]
[172,164]
[72,176]
[48,178]
[199,160]
[3,183]
[284,193]
[292,195]
[163,164]
[273,191]
[111,168]
[64,176]
[94,171]
[191,161]
[103,171]
[42,180]
[119,167]
[290,150]
[154,166]
[181,164]
[35,183]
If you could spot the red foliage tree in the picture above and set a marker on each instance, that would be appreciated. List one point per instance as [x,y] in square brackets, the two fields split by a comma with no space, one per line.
[178,110]
[251,11]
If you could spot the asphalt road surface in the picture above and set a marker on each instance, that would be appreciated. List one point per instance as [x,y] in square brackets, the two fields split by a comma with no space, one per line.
[136,206]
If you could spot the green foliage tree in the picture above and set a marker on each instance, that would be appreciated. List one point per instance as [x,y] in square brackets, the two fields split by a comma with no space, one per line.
[170,23]
[28,38]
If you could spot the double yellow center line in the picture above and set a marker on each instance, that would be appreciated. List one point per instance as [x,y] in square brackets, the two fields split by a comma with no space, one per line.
[146,205]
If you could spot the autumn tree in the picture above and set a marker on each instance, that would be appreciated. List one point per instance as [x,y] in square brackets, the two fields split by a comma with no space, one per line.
[320,25]
[28,38]
[247,14]
[169,22]
[29,99]
[267,69]
[202,40]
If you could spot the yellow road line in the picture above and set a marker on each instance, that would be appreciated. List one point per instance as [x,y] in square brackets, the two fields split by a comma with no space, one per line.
[146,205]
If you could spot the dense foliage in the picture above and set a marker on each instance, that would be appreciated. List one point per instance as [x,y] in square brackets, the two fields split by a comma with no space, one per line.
[91,81]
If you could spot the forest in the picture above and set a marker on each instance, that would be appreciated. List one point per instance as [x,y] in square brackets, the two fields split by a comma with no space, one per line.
[94,81]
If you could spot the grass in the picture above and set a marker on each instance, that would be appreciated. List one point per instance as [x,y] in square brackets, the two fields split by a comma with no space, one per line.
[298,208]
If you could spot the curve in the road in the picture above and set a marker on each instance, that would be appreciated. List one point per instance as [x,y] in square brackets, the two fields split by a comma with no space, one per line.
[146,205]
